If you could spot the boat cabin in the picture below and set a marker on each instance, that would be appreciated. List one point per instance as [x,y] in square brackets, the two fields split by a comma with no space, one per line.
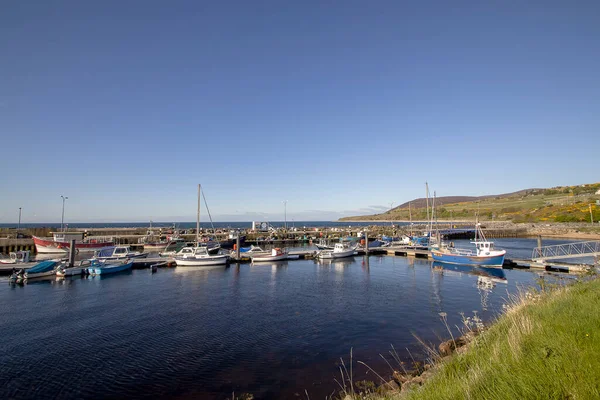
[484,247]
[114,252]
[193,252]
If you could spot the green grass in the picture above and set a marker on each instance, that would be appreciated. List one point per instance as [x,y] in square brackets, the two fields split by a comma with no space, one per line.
[548,348]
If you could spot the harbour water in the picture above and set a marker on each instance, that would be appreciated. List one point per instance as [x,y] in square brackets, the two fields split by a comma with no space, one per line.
[273,330]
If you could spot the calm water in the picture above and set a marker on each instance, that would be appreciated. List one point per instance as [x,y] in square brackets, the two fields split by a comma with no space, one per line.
[272,330]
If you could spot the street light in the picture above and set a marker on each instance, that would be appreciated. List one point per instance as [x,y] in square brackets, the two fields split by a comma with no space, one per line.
[19,226]
[391,218]
[62,221]
[285,213]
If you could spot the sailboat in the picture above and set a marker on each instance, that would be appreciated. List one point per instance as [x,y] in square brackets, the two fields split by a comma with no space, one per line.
[198,256]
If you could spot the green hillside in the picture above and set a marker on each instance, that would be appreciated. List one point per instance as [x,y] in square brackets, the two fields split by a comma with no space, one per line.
[559,204]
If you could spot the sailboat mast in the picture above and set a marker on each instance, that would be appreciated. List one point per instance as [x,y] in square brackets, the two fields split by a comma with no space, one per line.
[427,198]
[198,217]
[410,217]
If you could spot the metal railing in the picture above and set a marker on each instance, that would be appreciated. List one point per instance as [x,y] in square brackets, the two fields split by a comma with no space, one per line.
[568,250]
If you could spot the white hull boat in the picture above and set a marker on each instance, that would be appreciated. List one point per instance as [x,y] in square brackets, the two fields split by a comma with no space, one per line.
[340,250]
[198,257]
[200,262]
[276,255]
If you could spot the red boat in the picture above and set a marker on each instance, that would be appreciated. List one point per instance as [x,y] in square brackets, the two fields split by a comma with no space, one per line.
[61,241]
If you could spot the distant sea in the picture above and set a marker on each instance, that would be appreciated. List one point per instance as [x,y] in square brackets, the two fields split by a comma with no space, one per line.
[189,225]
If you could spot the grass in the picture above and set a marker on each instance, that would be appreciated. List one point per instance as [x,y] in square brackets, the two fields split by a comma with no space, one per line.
[547,345]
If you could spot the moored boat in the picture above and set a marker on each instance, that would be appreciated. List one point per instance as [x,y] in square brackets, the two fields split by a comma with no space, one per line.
[340,250]
[276,254]
[485,254]
[117,253]
[198,256]
[80,268]
[61,241]
[42,269]
[105,268]
[16,257]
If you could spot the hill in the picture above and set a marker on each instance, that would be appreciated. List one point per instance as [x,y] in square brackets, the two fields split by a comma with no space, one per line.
[558,204]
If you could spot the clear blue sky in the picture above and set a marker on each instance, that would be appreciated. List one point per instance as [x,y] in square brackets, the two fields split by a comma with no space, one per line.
[338,107]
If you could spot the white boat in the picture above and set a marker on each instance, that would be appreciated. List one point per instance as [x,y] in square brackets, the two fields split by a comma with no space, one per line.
[117,253]
[277,254]
[81,268]
[198,256]
[16,257]
[248,251]
[340,250]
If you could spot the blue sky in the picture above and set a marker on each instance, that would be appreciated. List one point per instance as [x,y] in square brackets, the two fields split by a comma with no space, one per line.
[338,107]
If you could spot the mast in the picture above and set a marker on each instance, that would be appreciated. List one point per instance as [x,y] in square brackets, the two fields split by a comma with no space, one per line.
[427,198]
[198,217]
[410,217]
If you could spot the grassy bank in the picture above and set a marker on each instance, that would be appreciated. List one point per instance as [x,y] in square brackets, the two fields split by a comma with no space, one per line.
[546,346]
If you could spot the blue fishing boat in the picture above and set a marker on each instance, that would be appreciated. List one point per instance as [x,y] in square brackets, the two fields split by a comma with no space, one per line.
[113,267]
[496,274]
[484,254]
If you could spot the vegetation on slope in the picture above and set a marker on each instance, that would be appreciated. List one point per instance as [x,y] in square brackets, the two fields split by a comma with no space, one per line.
[560,204]
[546,346]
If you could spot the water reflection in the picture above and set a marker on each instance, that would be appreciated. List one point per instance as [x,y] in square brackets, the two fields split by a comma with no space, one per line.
[487,278]
[199,270]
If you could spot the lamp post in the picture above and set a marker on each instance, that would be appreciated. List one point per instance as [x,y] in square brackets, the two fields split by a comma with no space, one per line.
[285,213]
[19,226]
[62,220]
[391,218]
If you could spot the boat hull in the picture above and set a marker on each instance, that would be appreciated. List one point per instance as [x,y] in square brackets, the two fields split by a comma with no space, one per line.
[39,274]
[331,255]
[490,261]
[75,271]
[51,246]
[200,262]
[280,257]
[155,246]
[109,269]
[143,255]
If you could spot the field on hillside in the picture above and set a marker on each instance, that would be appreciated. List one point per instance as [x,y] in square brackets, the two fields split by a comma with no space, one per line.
[563,204]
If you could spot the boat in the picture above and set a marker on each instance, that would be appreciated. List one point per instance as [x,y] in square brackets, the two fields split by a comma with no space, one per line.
[323,245]
[157,242]
[484,254]
[105,268]
[252,250]
[198,256]
[61,241]
[340,250]
[80,268]
[42,269]
[117,253]
[491,274]
[16,257]
[228,243]
[174,248]
[212,246]
[276,254]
